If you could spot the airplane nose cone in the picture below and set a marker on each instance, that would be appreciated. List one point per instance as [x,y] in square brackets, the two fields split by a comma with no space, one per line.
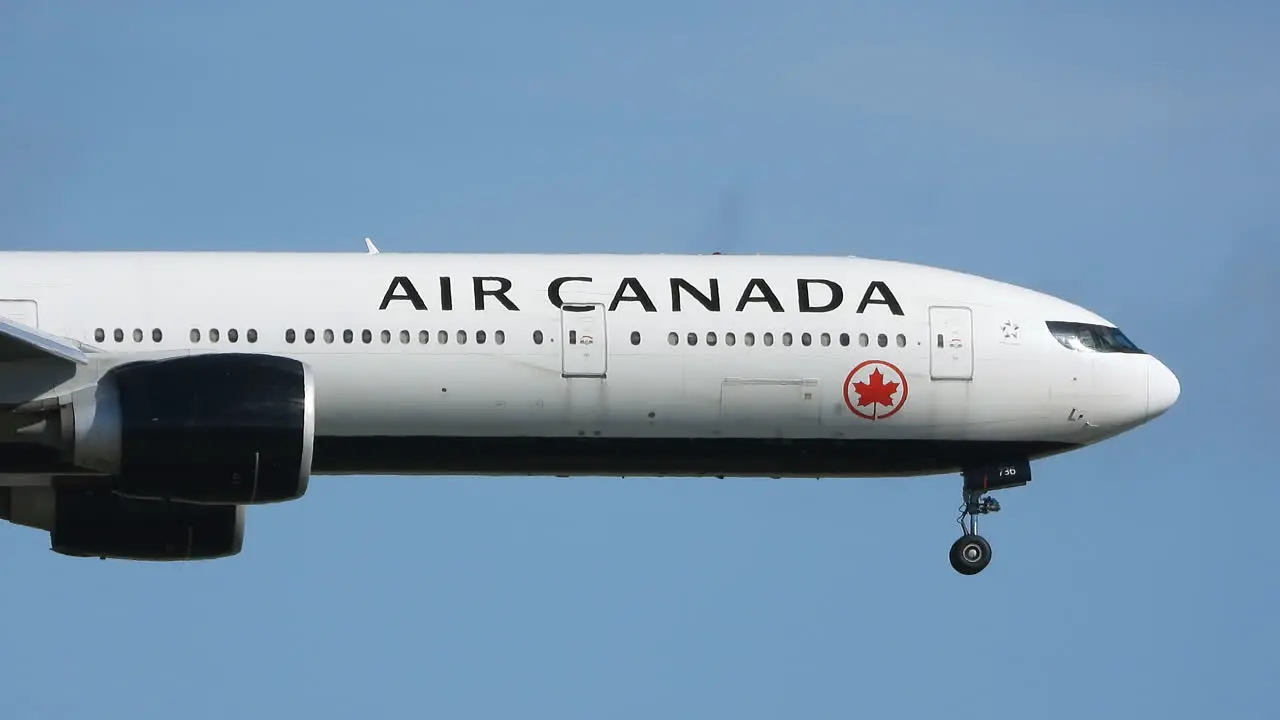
[1163,389]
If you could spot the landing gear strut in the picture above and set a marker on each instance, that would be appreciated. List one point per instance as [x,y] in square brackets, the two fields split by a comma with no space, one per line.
[971,554]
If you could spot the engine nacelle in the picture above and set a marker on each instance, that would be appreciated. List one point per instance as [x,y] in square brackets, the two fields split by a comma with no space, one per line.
[99,523]
[216,429]
[997,476]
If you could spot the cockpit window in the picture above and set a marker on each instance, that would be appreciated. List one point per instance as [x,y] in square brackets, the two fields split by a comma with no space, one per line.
[1092,338]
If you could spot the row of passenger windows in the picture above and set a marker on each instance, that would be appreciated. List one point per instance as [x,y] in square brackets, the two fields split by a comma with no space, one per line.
[424,337]
[499,337]
[767,339]
[157,335]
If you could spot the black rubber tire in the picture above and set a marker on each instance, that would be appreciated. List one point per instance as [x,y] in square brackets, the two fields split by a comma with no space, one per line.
[970,554]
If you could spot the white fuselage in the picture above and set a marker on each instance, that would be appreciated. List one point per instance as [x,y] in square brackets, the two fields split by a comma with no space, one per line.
[454,363]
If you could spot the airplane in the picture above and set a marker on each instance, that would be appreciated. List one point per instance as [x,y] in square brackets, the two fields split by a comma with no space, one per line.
[147,398]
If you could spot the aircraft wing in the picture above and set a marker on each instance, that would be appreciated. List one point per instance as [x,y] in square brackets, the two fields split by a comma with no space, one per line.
[19,342]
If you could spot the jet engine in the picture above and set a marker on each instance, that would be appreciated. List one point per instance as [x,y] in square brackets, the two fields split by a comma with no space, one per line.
[216,429]
[100,523]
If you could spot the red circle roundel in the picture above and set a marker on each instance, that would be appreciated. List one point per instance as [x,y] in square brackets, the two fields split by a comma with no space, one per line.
[875,390]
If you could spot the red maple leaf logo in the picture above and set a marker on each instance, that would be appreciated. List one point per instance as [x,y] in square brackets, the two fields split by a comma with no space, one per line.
[877,391]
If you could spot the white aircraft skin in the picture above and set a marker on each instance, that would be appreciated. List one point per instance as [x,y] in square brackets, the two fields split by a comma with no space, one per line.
[916,371]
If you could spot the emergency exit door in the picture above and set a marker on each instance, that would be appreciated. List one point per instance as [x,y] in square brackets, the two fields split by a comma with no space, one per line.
[951,343]
[583,349]
[21,311]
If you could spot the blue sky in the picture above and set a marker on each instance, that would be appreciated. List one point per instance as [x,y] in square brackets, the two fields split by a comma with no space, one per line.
[1121,155]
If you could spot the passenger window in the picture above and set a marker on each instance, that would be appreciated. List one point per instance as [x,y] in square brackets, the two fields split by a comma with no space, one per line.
[730,339]
[405,337]
[329,337]
[137,336]
[826,339]
[233,336]
[499,336]
[462,337]
[844,339]
[289,336]
[442,337]
[99,335]
[386,337]
[481,336]
[768,339]
[806,339]
[786,339]
[635,337]
[749,339]
[157,336]
[537,337]
[214,335]
[693,339]
[863,340]
[711,338]
[195,335]
[673,339]
[902,340]
[348,337]
[366,336]
[309,336]
[253,336]
[940,344]
[424,337]
[118,335]
[882,340]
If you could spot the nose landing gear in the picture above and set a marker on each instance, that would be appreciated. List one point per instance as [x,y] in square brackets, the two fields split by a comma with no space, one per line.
[971,554]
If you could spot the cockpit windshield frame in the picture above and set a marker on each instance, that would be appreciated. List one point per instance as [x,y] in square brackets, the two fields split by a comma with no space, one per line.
[1088,337]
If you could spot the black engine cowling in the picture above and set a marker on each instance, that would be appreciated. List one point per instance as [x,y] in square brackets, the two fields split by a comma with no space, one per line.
[100,523]
[107,525]
[215,429]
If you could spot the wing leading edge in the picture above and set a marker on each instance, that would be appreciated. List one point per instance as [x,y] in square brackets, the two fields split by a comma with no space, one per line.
[19,342]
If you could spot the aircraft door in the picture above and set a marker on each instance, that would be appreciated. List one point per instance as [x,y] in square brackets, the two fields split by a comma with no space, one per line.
[583,345]
[21,311]
[951,343]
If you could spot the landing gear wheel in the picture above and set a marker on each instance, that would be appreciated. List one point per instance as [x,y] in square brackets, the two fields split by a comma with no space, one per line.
[970,554]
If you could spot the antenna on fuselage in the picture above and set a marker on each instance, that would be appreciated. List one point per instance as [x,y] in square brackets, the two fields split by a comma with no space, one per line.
[373,249]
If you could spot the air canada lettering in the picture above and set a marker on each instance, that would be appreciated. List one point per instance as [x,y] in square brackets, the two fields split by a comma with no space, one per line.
[806,295]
